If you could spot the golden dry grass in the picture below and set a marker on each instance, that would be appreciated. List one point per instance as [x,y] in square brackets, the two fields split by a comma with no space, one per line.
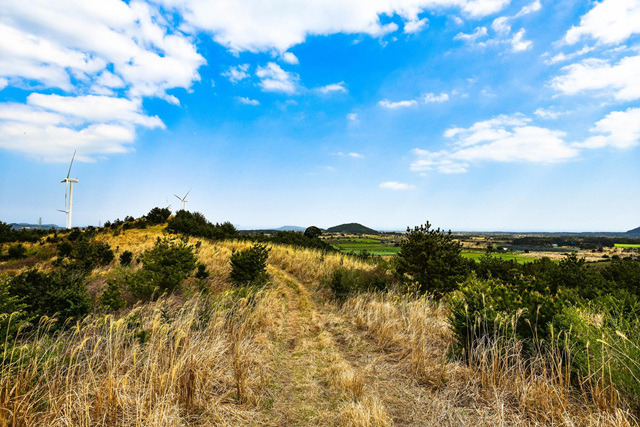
[282,356]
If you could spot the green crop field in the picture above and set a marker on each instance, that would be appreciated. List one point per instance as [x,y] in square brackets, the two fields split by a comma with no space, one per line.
[519,258]
[627,245]
[358,245]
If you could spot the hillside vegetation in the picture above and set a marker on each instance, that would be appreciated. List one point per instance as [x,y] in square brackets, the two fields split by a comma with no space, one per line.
[140,324]
[351,228]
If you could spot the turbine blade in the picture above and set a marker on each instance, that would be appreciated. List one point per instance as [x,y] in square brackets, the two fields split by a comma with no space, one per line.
[74,156]
[177,197]
[185,196]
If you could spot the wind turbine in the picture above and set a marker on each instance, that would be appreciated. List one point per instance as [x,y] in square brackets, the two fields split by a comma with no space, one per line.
[69,186]
[183,200]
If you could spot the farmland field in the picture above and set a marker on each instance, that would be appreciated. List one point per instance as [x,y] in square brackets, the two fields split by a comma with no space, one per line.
[517,257]
[357,245]
[627,245]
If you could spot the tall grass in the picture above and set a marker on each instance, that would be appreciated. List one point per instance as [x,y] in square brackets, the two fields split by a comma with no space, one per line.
[165,363]
[512,386]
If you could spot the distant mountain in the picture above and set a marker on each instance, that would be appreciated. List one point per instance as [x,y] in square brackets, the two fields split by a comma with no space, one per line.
[634,232]
[21,225]
[290,228]
[351,228]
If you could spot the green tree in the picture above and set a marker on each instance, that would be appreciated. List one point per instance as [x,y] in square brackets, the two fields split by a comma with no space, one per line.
[158,216]
[164,268]
[249,266]
[431,259]
[312,232]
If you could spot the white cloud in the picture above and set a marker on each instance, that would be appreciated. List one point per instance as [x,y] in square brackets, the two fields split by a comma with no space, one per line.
[52,126]
[118,51]
[398,186]
[352,154]
[3,83]
[332,88]
[399,104]
[518,43]
[250,25]
[548,113]
[501,25]
[610,21]
[619,129]
[501,139]
[479,32]
[412,27]
[247,101]
[352,116]
[431,97]
[620,80]
[237,73]
[290,58]
[530,8]
[561,57]
[275,79]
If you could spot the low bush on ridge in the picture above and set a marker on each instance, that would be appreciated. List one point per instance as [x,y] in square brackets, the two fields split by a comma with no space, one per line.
[249,266]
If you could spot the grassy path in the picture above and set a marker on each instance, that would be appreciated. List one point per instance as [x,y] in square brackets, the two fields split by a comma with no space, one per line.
[328,373]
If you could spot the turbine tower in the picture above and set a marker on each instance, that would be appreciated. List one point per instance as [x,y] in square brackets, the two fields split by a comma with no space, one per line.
[69,186]
[183,200]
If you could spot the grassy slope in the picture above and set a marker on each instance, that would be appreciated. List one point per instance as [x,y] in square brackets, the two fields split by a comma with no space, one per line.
[288,356]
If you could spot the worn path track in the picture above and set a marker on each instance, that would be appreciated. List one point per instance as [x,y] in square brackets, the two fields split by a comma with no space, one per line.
[326,372]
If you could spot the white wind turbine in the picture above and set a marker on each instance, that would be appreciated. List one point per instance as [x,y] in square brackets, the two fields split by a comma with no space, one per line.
[69,186]
[183,200]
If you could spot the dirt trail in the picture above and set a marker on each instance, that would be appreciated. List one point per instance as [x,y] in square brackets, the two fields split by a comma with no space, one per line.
[327,373]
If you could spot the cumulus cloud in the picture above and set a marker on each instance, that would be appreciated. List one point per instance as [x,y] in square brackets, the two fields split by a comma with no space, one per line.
[275,79]
[250,25]
[3,83]
[290,58]
[53,125]
[352,117]
[530,8]
[119,52]
[610,21]
[501,139]
[247,101]
[431,97]
[479,32]
[398,186]
[412,27]
[619,129]
[332,88]
[398,104]
[620,80]
[237,73]
[518,42]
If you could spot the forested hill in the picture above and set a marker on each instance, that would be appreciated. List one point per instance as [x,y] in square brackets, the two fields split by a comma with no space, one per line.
[634,232]
[352,228]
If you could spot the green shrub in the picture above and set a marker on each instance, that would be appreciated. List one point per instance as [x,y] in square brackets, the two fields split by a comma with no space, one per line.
[483,308]
[125,258]
[202,272]
[13,314]
[158,216]
[431,260]
[64,249]
[111,298]
[195,224]
[60,294]
[17,251]
[249,266]
[164,268]
[346,281]
[87,254]
[604,343]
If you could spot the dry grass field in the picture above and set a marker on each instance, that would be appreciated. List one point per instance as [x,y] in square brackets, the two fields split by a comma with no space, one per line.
[284,355]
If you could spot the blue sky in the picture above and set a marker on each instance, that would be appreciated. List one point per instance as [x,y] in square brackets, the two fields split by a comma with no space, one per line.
[473,114]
